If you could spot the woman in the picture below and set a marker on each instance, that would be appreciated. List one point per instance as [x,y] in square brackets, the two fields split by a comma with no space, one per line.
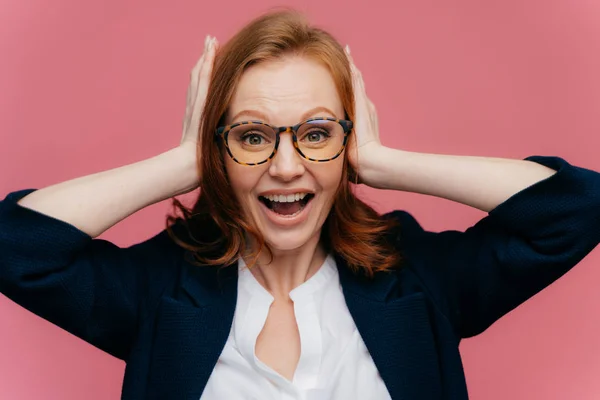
[279,283]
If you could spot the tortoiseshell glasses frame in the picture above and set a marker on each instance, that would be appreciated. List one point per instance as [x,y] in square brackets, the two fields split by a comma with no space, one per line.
[346,125]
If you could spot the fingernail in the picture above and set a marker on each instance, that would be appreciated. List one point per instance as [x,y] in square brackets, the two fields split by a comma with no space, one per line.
[206,41]
[347,49]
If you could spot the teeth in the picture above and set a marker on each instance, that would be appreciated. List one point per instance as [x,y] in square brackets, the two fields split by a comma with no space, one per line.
[282,198]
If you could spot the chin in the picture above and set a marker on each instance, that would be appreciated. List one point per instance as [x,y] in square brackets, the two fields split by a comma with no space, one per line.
[288,241]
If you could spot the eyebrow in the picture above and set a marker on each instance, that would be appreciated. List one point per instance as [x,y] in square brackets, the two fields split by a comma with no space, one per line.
[263,117]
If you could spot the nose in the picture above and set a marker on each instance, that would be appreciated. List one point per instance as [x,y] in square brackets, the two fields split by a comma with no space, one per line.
[287,164]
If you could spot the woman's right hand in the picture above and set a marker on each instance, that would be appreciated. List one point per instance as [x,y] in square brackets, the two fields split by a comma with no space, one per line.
[196,95]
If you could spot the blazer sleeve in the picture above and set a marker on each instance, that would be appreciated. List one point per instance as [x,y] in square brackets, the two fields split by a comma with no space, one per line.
[89,287]
[523,245]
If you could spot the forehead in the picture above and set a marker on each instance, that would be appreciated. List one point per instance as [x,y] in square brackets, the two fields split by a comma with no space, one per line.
[284,90]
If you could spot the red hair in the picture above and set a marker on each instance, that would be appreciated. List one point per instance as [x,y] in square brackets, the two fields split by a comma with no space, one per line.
[215,223]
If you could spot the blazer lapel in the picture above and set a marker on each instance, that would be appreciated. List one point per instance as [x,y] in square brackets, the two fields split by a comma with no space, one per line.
[191,330]
[397,332]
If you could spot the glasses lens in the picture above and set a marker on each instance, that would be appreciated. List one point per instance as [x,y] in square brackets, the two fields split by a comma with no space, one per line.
[320,139]
[251,143]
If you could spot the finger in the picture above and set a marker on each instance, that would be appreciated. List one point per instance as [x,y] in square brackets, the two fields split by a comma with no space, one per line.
[371,105]
[204,77]
[192,91]
[207,67]
[202,56]
[359,78]
[356,76]
[348,55]
[210,53]
[198,67]
[201,88]
[359,89]
[360,92]
[353,69]
[194,72]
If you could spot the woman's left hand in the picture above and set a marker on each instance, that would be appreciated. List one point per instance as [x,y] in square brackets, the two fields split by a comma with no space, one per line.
[364,143]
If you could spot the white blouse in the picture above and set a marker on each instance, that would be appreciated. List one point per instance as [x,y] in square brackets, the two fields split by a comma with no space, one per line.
[334,361]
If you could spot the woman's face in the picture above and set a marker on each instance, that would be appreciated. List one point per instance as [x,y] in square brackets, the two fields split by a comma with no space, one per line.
[283,93]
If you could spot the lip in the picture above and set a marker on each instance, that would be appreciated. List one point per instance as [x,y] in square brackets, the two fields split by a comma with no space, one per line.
[285,192]
[283,221]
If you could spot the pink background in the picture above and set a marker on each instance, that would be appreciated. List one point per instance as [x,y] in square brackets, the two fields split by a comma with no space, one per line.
[88,86]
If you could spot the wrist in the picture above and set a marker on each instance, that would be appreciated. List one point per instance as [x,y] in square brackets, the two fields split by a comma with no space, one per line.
[375,169]
[183,157]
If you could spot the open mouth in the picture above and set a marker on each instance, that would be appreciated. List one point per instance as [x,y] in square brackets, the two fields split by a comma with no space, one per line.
[289,205]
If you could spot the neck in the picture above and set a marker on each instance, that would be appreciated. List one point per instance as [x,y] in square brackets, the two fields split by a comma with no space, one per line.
[288,269]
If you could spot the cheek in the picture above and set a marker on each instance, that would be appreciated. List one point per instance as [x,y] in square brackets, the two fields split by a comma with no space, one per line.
[330,176]
[242,179]
[235,175]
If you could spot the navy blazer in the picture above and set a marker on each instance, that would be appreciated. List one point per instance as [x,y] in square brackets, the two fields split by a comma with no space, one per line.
[169,320]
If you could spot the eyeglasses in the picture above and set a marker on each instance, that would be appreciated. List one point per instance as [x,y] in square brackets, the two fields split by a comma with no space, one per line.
[255,142]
